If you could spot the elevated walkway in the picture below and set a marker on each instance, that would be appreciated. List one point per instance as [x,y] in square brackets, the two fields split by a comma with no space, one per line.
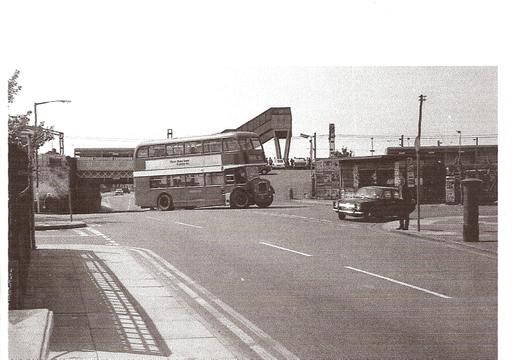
[275,123]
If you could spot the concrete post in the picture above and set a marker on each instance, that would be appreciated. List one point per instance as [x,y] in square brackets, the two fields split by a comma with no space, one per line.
[290,193]
[470,229]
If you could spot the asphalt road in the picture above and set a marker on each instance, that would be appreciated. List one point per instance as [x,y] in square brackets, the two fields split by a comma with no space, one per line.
[320,287]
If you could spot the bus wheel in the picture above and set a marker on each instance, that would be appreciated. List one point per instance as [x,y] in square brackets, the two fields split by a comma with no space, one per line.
[164,202]
[265,203]
[239,199]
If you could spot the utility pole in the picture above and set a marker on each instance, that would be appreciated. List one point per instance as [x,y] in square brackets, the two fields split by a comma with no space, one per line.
[418,146]
[372,150]
[314,146]
[476,149]
[401,141]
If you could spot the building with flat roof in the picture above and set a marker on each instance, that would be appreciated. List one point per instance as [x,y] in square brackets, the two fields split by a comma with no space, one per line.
[441,169]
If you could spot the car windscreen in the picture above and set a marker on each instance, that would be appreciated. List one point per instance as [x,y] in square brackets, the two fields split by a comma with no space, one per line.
[369,193]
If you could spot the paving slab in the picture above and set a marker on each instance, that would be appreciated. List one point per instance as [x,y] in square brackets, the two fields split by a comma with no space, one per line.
[448,229]
[107,310]
[29,333]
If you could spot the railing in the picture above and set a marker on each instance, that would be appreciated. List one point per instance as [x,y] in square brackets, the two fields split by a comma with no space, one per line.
[104,164]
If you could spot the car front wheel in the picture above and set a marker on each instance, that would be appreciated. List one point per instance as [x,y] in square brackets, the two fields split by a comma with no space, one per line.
[341,216]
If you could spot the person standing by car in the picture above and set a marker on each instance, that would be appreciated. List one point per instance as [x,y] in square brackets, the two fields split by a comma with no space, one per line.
[406,196]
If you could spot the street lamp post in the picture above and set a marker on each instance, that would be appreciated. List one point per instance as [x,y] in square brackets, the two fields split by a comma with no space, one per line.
[36,147]
[310,137]
[460,144]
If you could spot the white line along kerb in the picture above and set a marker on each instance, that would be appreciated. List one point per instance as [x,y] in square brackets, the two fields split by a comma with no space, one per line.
[285,249]
[400,282]
[187,285]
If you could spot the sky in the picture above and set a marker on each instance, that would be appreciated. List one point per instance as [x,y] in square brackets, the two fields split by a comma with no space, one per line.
[133,69]
[362,102]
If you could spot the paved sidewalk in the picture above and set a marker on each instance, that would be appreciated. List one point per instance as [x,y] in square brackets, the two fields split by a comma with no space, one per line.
[449,229]
[107,305]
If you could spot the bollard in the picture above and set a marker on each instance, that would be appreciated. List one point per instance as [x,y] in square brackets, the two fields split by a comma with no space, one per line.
[470,229]
[290,193]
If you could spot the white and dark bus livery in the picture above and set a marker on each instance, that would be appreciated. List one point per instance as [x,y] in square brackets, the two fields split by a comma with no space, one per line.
[213,170]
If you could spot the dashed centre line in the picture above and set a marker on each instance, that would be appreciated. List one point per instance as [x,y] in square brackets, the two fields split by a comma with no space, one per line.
[400,283]
[285,249]
[177,222]
[194,226]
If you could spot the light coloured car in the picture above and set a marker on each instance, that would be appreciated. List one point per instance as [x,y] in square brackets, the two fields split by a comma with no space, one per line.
[278,164]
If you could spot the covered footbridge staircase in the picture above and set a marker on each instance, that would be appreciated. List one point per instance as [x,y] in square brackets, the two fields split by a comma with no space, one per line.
[275,123]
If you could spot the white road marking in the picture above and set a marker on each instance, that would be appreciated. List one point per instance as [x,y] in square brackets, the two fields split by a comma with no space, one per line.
[312,219]
[400,282]
[283,248]
[177,222]
[95,232]
[98,233]
[194,226]
[173,273]
[80,232]
[153,218]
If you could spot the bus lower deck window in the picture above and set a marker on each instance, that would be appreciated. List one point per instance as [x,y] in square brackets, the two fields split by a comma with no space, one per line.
[158,182]
[214,179]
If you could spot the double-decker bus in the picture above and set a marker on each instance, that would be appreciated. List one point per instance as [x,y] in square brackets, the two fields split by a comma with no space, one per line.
[219,169]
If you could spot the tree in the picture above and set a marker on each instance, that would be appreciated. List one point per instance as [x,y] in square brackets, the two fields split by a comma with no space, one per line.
[13,86]
[17,124]
[343,153]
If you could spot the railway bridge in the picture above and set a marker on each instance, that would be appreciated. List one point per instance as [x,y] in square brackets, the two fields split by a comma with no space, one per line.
[93,167]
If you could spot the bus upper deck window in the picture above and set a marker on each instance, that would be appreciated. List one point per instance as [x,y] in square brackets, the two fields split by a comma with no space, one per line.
[175,149]
[156,150]
[246,144]
[212,146]
[142,152]
[193,147]
[230,145]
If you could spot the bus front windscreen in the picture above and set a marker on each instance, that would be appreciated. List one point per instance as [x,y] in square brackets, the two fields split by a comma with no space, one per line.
[256,144]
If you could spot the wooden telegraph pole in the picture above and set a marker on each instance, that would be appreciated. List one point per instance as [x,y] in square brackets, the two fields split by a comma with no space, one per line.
[418,145]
